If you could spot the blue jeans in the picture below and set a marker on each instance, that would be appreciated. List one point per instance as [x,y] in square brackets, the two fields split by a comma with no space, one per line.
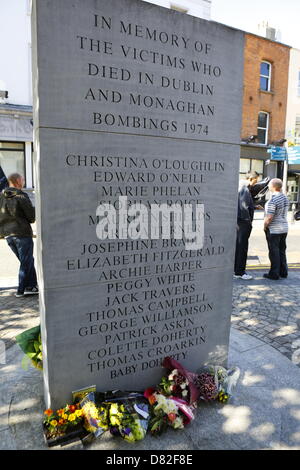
[23,249]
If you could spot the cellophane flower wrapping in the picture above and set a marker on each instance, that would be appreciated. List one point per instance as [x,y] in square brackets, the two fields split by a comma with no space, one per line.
[217,383]
[225,381]
[96,419]
[128,415]
[167,411]
[179,383]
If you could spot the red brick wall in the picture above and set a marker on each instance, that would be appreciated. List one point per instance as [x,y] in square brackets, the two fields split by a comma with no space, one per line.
[258,49]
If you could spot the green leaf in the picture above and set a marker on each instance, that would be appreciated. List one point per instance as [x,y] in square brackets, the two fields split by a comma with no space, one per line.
[31,354]
[26,338]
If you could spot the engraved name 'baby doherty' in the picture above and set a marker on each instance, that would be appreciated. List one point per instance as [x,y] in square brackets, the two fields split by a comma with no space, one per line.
[164,221]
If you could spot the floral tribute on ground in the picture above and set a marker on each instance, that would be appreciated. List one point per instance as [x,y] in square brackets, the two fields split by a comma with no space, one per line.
[130,415]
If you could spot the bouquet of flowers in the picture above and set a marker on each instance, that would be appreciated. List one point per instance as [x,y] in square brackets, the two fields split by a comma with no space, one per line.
[58,422]
[208,389]
[128,419]
[123,414]
[225,380]
[31,344]
[96,419]
[179,383]
[167,411]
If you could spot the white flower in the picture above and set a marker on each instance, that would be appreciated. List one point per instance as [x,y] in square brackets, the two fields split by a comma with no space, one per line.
[173,373]
[184,393]
[168,406]
[178,423]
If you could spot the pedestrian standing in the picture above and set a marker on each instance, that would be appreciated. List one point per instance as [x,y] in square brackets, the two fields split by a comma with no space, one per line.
[276,229]
[16,215]
[244,225]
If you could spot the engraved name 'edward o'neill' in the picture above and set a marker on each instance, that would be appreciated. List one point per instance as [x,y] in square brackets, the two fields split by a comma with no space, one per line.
[165,219]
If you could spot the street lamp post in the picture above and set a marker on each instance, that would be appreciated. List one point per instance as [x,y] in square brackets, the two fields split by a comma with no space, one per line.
[285,169]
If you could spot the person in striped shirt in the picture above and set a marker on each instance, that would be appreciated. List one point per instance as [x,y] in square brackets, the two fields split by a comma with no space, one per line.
[276,229]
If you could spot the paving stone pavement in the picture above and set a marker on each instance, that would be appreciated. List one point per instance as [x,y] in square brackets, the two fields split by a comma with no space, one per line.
[16,315]
[265,410]
[270,311]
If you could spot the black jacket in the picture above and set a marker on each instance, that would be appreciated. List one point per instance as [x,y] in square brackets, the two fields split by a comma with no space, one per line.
[245,203]
[16,213]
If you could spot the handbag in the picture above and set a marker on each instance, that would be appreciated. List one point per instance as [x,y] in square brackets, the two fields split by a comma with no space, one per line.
[297,215]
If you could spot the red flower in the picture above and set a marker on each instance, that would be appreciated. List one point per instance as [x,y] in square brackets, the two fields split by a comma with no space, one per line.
[152,399]
[171,417]
[148,392]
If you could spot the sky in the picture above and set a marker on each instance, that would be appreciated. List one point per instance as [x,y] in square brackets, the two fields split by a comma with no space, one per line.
[247,14]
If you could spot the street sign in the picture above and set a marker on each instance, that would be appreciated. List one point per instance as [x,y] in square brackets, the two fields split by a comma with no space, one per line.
[277,153]
[294,155]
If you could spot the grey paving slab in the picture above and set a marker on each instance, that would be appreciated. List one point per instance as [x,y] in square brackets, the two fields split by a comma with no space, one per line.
[264,413]
[238,343]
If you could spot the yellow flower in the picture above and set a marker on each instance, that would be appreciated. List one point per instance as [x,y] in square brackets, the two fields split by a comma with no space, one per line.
[78,413]
[64,416]
[72,417]
[53,423]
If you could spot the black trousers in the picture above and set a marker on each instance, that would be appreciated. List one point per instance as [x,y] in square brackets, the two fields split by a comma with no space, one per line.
[277,248]
[244,228]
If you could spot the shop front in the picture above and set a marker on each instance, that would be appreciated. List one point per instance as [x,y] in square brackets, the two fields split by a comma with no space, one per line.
[257,158]
[16,136]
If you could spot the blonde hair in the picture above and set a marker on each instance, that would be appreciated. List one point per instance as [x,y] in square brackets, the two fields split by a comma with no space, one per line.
[276,183]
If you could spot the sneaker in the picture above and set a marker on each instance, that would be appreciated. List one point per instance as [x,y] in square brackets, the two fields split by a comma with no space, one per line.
[31,291]
[245,277]
[19,294]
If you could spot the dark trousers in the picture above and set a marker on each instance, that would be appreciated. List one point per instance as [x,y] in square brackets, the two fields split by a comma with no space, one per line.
[23,249]
[244,228]
[277,248]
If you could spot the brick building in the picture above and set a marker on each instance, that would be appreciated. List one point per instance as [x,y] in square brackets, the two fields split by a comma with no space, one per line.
[264,103]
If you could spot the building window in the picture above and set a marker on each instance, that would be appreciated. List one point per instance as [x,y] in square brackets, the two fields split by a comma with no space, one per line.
[251,164]
[12,158]
[292,189]
[265,76]
[297,130]
[262,128]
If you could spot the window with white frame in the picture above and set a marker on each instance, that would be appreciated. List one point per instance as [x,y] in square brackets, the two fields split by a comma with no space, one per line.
[262,127]
[265,76]
[12,158]
[297,130]
[251,164]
